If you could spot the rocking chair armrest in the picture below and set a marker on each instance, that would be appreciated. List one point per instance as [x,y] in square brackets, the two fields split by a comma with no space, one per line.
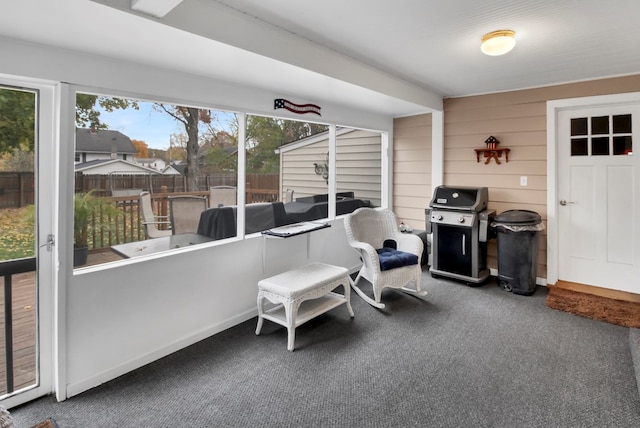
[409,243]
[367,251]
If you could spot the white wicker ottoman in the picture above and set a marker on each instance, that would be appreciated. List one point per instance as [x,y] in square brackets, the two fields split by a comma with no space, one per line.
[314,282]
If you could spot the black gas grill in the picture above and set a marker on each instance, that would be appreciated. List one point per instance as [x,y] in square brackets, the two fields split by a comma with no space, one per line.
[459,220]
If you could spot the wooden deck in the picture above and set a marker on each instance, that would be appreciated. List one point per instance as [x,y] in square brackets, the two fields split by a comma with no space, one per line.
[24,325]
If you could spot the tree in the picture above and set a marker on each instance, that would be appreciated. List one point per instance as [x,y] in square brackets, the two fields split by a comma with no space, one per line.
[17,120]
[265,135]
[88,117]
[190,117]
[220,152]
[17,160]
[142,148]
[177,148]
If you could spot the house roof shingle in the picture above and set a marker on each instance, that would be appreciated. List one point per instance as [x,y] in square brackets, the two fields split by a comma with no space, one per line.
[103,141]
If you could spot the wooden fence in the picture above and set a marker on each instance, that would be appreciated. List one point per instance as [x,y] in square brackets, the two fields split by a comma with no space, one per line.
[17,188]
[106,184]
[127,225]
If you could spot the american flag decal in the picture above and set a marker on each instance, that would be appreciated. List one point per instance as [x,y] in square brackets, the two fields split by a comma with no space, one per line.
[296,108]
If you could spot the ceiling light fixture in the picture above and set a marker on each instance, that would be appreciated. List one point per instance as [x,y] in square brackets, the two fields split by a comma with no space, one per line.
[498,42]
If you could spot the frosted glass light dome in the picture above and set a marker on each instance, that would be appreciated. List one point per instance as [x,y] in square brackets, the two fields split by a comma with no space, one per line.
[498,42]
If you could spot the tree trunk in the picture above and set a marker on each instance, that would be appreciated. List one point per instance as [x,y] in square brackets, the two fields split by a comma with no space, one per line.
[192,149]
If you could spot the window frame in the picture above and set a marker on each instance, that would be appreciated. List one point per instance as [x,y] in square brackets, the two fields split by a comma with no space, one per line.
[242,114]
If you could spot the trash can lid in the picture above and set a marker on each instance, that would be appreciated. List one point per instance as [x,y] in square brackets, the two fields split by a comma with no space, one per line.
[518,217]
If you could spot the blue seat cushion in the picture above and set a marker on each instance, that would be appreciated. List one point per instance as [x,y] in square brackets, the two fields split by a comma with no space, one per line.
[391,258]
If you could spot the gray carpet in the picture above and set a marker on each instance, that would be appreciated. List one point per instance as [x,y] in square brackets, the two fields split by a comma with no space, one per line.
[463,357]
[634,343]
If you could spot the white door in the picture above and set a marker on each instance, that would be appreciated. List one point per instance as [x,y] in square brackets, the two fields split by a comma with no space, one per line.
[599,197]
[27,172]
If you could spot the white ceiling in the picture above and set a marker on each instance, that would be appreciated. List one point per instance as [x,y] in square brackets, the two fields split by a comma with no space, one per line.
[395,57]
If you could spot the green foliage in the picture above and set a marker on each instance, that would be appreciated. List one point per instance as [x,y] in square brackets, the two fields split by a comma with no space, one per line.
[219,160]
[88,117]
[266,134]
[91,213]
[17,233]
[17,160]
[17,120]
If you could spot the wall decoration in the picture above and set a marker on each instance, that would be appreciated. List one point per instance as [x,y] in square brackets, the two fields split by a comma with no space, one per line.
[296,108]
[322,169]
[492,151]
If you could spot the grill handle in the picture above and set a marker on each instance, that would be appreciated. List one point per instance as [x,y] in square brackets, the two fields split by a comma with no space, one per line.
[464,241]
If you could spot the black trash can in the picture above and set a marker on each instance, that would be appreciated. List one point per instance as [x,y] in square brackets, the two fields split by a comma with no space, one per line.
[518,242]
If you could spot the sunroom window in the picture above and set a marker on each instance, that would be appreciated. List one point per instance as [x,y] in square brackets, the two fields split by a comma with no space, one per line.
[154,177]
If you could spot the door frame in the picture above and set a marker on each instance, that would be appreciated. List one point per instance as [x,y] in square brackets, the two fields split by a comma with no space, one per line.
[553,109]
[47,189]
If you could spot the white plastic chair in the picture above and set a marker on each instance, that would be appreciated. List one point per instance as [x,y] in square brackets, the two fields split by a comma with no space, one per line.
[185,213]
[287,196]
[220,196]
[367,229]
[150,221]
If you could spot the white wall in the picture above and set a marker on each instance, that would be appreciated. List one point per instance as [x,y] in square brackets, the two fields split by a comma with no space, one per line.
[118,317]
[124,317]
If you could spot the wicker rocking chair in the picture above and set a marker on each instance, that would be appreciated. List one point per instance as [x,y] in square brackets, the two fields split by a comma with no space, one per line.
[368,230]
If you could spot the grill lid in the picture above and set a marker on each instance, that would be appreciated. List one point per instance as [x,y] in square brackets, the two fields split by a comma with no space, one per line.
[460,198]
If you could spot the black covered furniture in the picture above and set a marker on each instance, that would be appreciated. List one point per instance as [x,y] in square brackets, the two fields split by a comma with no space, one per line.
[220,223]
[317,206]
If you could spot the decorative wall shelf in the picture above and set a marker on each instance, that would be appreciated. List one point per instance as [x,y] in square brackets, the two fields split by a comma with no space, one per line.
[494,153]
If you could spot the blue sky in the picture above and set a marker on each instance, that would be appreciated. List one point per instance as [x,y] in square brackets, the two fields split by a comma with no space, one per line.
[146,124]
[151,126]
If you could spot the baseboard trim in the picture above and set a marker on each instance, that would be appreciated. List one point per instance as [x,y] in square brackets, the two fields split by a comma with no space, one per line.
[598,291]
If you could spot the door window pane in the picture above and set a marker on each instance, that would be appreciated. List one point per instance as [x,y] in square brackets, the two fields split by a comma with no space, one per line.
[579,147]
[579,126]
[600,125]
[622,146]
[600,146]
[622,124]
[18,145]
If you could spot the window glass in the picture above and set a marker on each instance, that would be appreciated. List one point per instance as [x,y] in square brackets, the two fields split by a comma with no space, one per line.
[622,124]
[600,146]
[151,177]
[18,225]
[611,144]
[622,146]
[146,174]
[287,172]
[358,169]
[579,126]
[600,125]
[579,147]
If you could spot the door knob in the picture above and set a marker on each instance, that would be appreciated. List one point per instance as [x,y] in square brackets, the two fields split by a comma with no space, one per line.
[563,202]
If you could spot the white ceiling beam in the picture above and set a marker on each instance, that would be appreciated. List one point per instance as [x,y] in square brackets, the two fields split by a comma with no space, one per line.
[157,8]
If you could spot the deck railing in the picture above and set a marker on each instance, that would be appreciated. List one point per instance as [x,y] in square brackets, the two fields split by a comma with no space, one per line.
[127,225]
[25,341]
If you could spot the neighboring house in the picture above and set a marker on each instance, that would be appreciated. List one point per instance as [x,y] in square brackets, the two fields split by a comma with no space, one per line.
[358,164]
[109,166]
[153,163]
[174,169]
[98,144]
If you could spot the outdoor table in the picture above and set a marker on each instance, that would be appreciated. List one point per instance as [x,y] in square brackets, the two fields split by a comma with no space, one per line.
[157,245]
